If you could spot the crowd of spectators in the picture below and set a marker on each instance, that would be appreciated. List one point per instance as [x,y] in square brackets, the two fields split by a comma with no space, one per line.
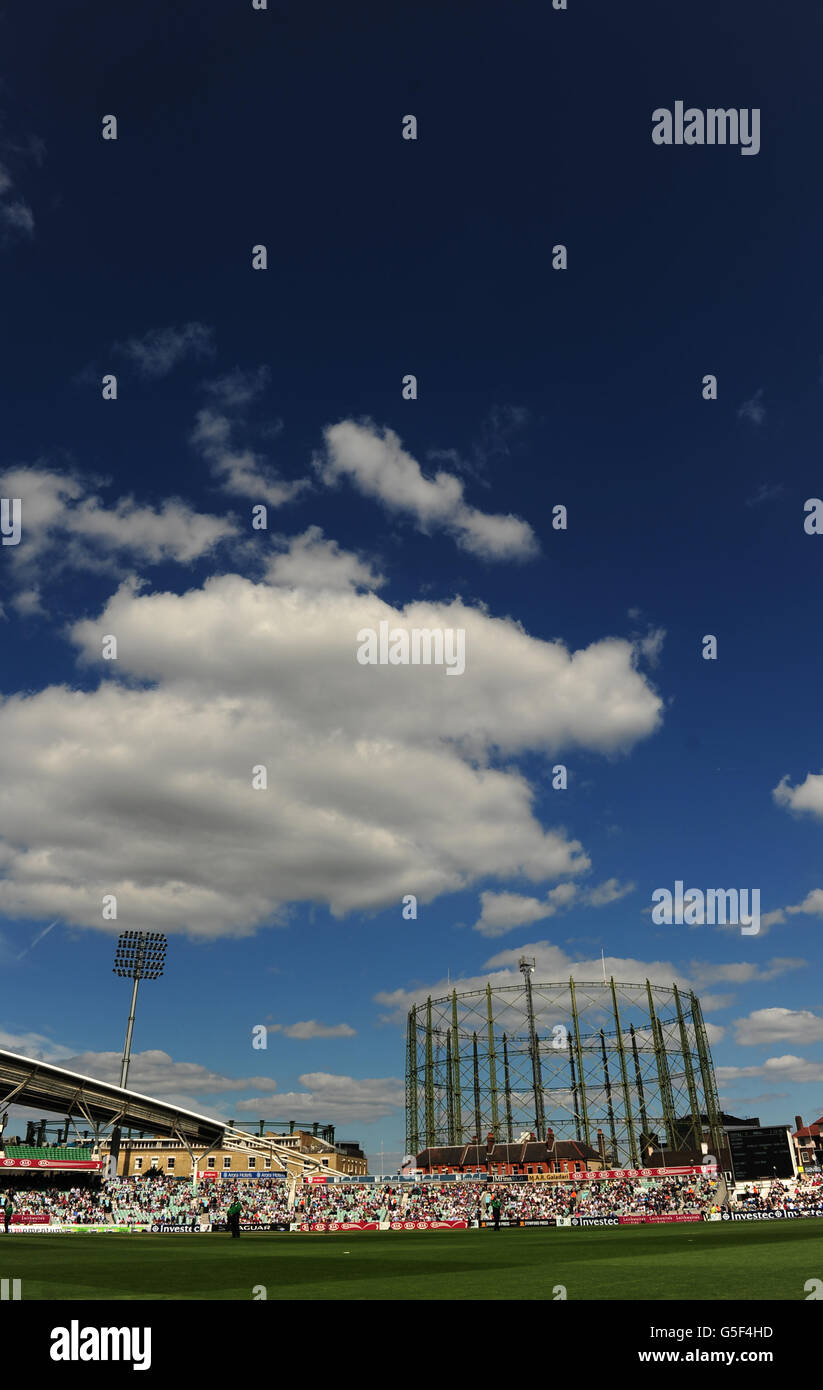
[173,1201]
[803,1195]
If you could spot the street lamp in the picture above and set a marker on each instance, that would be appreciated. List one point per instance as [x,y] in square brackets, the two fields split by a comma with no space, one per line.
[139,956]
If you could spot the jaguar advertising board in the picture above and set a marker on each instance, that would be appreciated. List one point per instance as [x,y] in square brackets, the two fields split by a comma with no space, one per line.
[254,1226]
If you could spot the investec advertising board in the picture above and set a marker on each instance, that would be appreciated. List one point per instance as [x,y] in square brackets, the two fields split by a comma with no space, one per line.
[781,1214]
[319,1227]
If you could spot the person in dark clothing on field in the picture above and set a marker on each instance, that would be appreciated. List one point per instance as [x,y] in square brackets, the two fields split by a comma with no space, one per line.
[233,1217]
[8,1213]
[496,1211]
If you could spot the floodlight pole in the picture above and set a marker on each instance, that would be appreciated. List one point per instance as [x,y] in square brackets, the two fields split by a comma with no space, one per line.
[124,1070]
[526,968]
[139,956]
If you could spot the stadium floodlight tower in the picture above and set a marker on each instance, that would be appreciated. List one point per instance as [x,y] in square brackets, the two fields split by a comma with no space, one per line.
[139,956]
[527,968]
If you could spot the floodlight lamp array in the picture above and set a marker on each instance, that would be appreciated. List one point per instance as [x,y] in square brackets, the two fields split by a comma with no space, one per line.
[140,955]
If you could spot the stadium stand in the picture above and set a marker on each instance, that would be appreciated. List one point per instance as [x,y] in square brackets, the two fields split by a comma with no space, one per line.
[167,1200]
[54,1153]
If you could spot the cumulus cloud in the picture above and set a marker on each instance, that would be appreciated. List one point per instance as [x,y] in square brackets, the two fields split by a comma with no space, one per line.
[339,1099]
[310,1028]
[160,350]
[382,781]
[380,468]
[28,603]
[552,963]
[310,562]
[609,892]
[779,1025]
[36,1045]
[812,904]
[806,796]
[788,1068]
[715,1001]
[240,471]
[651,645]
[155,1073]
[743,972]
[771,919]
[502,912]
[67,526]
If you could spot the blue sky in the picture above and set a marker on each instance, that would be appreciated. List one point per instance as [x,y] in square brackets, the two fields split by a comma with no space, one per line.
[536,387]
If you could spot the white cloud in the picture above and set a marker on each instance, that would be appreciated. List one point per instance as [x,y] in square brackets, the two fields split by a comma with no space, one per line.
[382,780]
[35,1045]
[812,904]
[331,1098]
[18,216]
[779,1025]
[310,1028]
[766,492]
[238,387]
[27,603]
[337,1099]
[609,892]
[807,796]
[67,526]
[651,645]
[715,1033]
[380,468]
[771,919]
[15,214]
[502,912]
[563,894]
[161,349]
[155,1073]
[753,409]
[311,562]
[551,964]
[710,1002]
[788,1068]
[241,472]
[743,972]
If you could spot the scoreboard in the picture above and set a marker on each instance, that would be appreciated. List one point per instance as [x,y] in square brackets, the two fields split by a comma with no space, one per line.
[761,1153]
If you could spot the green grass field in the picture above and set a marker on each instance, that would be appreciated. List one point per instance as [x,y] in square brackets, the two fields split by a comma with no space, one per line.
[706,1262]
